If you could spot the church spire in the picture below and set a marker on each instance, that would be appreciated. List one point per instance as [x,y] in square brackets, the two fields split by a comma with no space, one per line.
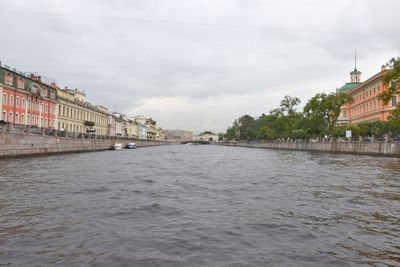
[355,60]
[355,75]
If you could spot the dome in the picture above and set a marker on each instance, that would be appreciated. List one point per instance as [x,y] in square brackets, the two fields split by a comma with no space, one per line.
[348,87]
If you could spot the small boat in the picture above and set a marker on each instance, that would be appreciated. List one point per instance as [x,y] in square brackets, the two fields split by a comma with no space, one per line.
[131,146]
[118,146]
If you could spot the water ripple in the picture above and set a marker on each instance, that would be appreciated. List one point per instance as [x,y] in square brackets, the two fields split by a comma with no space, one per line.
[200,206]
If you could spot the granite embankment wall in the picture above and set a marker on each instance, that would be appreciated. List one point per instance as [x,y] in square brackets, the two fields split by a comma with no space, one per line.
[391,149]
[26,144]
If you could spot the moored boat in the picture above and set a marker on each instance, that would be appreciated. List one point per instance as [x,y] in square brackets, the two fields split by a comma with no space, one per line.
[131,146]
[118,146]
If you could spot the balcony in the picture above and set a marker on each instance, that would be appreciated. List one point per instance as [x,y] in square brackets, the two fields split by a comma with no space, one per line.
[88,123]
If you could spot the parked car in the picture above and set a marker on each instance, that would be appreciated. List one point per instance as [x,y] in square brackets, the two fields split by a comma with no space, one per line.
[367,138]
[379,138]
[396,138]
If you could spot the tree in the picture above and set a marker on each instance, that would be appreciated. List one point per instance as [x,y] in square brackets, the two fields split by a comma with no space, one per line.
[231,133]
[288,103]
[327,106]
[392,78]
[245,126]
[287,108]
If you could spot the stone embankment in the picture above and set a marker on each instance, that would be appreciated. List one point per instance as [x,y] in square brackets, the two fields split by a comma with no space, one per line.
[391,149]
[16,142]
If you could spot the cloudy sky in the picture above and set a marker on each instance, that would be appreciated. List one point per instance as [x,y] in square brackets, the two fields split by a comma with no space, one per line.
[198,64]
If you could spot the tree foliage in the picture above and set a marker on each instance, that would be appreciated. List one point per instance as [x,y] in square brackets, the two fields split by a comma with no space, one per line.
[392,78]
[327,106]
[318,118]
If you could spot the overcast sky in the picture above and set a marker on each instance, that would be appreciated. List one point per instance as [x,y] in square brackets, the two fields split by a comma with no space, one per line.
[198,64]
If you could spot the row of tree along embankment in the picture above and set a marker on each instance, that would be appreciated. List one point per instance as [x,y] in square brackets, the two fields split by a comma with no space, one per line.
[375,148]
[25,141]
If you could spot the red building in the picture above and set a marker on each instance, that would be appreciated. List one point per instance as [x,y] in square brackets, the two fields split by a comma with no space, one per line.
[26,99]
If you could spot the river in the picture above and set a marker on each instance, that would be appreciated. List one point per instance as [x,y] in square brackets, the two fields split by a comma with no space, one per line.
[193,205]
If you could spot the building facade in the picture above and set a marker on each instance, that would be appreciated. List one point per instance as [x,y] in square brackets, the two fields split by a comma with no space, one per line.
[77,115]
[27,99]
[178,135]
[366,106]
[36,101]
[151,127]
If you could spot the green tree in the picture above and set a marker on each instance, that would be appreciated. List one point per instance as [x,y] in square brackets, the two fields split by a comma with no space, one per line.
[246,127]
[288,103]
[327,106]
[392,78]
[231,133]
[289,112]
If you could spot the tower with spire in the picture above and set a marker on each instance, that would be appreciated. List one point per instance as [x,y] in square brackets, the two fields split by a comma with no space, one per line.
[355,75]
[355,79]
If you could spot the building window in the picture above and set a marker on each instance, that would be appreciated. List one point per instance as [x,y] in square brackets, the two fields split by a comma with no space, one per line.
[16,118]
[394,101]
[8,79]
[28,120]
[4,117]
[23,103]
[10,117]
[5,99]
[17,102]
[20,83]
[344,114]
[11,100]
[22,119]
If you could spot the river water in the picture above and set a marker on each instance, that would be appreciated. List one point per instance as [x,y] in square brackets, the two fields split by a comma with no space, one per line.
[189,205]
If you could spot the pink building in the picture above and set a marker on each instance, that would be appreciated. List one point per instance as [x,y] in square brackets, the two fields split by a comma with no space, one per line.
[366,106]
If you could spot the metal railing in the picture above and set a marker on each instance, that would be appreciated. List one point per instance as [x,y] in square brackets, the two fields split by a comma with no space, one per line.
[374,139]
[7,127]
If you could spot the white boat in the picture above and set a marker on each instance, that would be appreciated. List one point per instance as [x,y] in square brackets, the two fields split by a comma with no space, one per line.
[118,146]
[131,146]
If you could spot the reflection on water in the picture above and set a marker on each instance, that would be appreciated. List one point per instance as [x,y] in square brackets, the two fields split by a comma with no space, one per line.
[200,206]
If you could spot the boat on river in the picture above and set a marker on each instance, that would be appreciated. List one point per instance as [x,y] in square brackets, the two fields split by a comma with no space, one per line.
[118,146]
[131,146]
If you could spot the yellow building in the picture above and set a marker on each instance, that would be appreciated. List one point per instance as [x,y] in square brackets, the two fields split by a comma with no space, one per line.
[132,129]
[150,124]
[74,114]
